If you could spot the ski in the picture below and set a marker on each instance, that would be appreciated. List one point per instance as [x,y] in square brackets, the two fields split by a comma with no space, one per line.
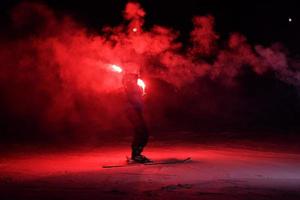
[166,162]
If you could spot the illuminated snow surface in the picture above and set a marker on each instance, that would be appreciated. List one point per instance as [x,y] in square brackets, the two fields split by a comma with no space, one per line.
[218,170]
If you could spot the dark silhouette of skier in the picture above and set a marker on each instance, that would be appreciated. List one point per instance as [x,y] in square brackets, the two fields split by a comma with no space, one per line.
[134,111]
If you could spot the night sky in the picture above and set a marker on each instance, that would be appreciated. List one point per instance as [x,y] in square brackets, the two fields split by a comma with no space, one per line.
[262,22]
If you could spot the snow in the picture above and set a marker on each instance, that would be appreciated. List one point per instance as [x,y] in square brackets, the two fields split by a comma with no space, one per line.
[215,172]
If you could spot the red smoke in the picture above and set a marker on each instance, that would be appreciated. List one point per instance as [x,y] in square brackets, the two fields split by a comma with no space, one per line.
[57,72]
[203,36]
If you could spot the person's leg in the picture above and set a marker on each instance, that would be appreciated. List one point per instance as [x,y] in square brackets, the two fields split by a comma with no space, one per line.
[140,137]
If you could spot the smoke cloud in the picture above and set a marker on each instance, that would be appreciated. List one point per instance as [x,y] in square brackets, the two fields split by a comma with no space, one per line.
[55,72]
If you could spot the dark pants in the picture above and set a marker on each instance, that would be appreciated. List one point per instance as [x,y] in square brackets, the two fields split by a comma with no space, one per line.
[140,138]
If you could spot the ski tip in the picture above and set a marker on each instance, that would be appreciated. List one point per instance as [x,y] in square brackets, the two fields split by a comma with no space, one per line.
[108,166]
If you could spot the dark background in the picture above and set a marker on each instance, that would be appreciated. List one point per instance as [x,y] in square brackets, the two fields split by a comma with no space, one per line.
[261,21]
[259,103]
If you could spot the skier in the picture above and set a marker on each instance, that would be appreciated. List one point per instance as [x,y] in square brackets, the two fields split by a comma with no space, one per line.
[134,111]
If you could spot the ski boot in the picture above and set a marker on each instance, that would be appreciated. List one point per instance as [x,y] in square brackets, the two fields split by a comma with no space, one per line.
[141,159]
[136,156]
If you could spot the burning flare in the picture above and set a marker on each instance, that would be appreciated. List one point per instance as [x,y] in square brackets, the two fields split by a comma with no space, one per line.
[140,82]
[116,68]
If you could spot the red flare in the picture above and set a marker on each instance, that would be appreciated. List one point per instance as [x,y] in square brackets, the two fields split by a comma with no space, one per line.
[117,68]
[142,84]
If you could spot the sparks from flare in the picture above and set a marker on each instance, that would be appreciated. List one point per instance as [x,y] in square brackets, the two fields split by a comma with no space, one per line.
[140,82]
